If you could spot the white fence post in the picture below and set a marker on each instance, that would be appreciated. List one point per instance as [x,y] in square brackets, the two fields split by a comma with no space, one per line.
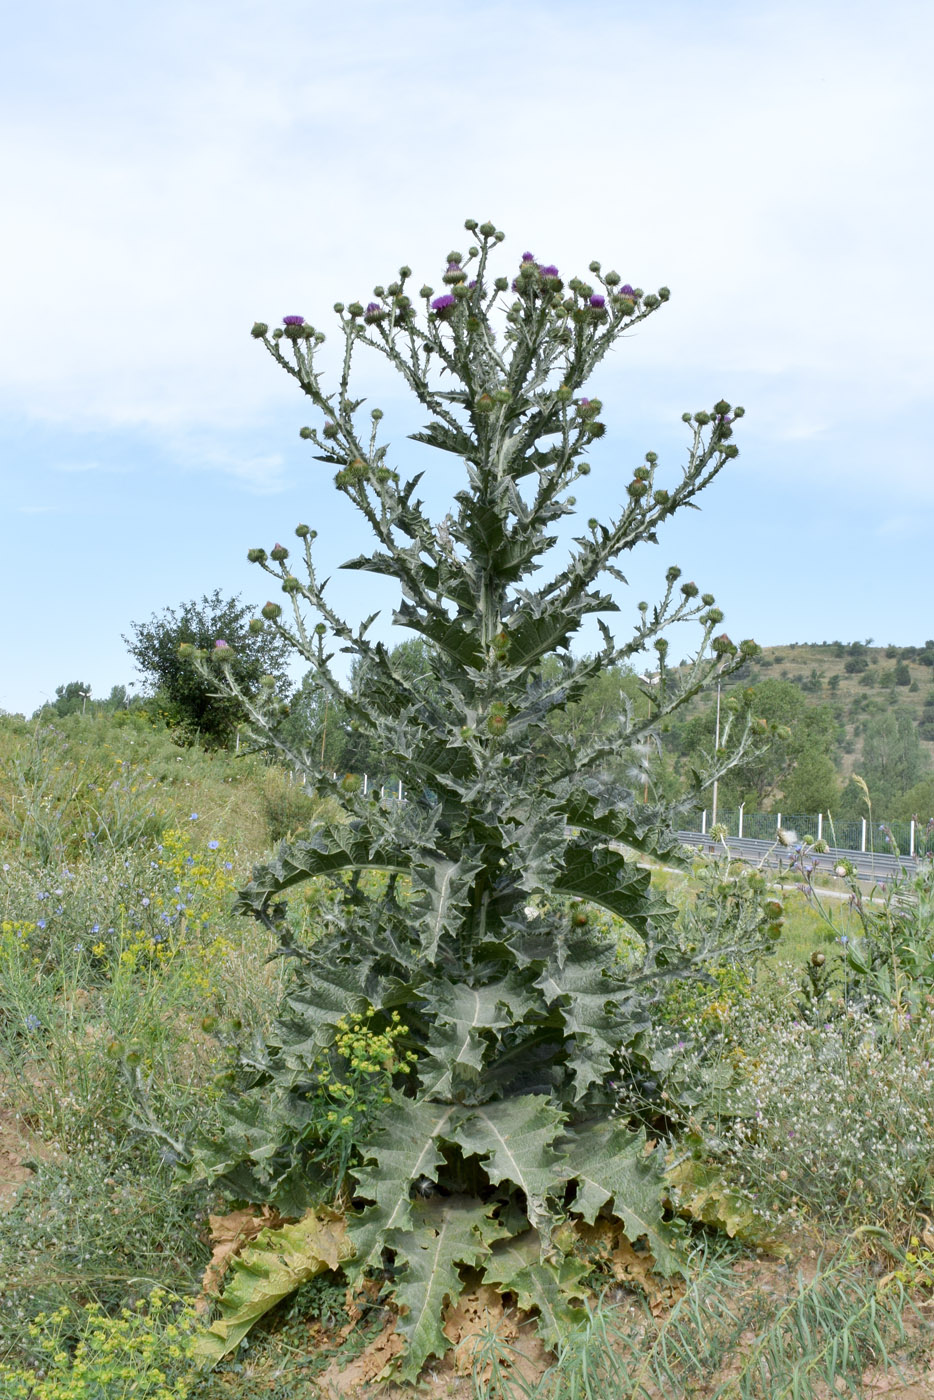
[400,789]
[703,822]
[911,839]
[820,826]
[740,833]
[778,824]
[365,785]
[863,838]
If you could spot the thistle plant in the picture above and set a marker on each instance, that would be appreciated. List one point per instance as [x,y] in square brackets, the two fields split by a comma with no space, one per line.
[479,933]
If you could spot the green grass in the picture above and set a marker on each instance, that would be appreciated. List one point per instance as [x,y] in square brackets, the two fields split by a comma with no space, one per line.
[115,1010]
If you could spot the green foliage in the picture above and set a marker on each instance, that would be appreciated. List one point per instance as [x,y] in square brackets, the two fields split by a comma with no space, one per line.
[190,701]
[143,1354]
[514,825]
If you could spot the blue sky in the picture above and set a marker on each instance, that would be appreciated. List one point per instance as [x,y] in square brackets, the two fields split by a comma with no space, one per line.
[173,172]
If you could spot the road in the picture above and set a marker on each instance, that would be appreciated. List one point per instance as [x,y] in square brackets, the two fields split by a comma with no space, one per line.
[867,865]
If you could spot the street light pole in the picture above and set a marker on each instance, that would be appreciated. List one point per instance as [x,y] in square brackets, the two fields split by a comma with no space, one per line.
[716,744]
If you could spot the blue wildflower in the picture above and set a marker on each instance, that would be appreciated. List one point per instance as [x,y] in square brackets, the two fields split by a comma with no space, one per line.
[213,845]
[32,1022]
[193,817]
[40,923]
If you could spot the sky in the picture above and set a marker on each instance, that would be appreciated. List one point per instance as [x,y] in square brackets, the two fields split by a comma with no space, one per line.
[173,172]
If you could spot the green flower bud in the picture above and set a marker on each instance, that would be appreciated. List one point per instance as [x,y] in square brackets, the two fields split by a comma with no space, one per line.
[580,918]
[642,474]
[672,574]
[702,418]
[774,908]
[330,430]
[661,498]
[466,732]
[563,394]
[290,584]
[496,724]
[339,308]
[306,433]
[256,625]
[484,404]
[612,279]
[271,611]
[405,271]
[427,291]
[501,396]
[355,308]
[715,616]
[498,236]
[294,333]
[186,649]
[748,647]
[689,590]
[663,293]
[685,418]
[303,531]
[721,407]
[133,1057]
[731,450]
[470,225]
[739,412]
[661,645]
[643,607]
[651,301]
[722,645]
[501,284]
[487,229]
[583,468]
[277,333]
[637,489]
[818,959]
[596,430]
[259,330]
[320,629]
[208,1023]
[707,599]
[279,552]
[256,556]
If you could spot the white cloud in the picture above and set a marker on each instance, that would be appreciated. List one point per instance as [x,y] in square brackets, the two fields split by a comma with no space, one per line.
[216,165]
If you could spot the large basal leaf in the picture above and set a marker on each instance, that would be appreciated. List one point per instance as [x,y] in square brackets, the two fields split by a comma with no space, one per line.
[550,1285]
[514,1138]
[403,1153]
[609,1164]
[446,1232]
[275,1264]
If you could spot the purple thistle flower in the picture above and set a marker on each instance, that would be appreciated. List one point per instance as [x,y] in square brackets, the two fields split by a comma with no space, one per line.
[454,267]
[472,283]
[528,257]
[293,320]
[550,271]
[625,290]
[220,644]
[442,303]
[371,307]
[597,301]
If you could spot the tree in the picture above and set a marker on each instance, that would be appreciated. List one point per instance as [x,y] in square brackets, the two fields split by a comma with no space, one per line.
[71,698]
[193,704]
[480,935]
[893,760]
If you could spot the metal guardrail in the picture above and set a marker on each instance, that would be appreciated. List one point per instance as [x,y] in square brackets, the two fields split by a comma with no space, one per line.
[870,865]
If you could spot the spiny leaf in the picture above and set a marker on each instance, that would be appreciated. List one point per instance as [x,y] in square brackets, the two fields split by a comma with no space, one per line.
[609,1164]
[553,1286]
[602,876]
[273,1266]
[446,1231]
[333,848]
[514,1138]
[445,888]
[402,1153]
